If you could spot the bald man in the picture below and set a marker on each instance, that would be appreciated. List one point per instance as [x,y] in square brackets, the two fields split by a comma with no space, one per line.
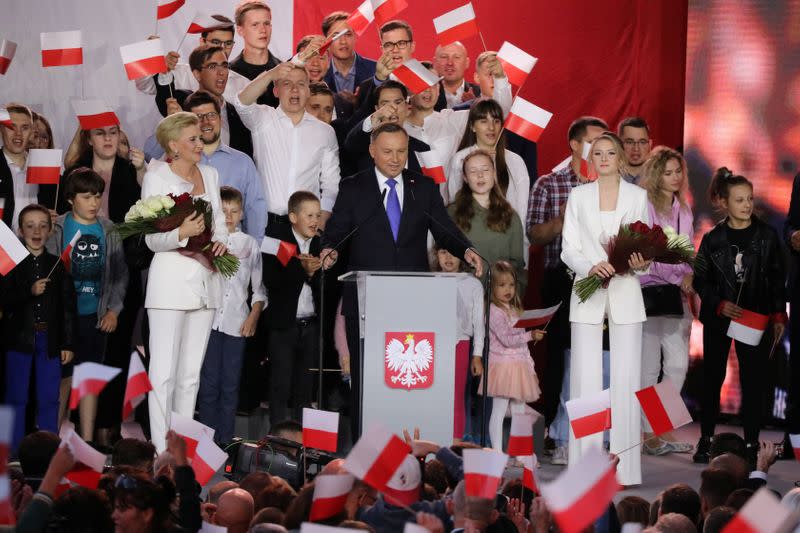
[235,510]
[451,62]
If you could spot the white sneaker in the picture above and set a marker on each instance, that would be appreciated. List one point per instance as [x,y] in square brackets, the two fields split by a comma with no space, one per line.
[560,456]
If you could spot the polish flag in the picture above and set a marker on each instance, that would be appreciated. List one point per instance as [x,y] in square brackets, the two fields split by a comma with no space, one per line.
[330,495]
[795,440]
[208,458]
[456,25]
[361,18]
[2,206]
[415,76]
[483,470]
[89,462]
[283,250]
[402,489]
[432,166]
[167,7]
[587,168]
[763,513]
[536,317]
[320,429]
[202,22]
[12,251]
[663,406]
[527,120]
[61,49]
[328,42]
[7,516]
[66,255]
[376,456]
[590,414]
[143,59]
[138,385]
[517,63]
[748,328]
[5,118]
[191,430]
[520,440]
[529,465]
[6,430]
[44,166]
[386,10]
[94,114]
[581,495]
[89,378]
[7,51]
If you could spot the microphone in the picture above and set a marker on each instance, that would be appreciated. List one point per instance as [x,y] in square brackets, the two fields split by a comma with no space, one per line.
[350,233]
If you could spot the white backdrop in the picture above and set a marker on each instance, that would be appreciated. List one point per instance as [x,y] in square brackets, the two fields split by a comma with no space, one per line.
[106,25]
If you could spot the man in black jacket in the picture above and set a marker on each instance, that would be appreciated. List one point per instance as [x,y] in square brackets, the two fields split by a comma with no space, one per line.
[791,233]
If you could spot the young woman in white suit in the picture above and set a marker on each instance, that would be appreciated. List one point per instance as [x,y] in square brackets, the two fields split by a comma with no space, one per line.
[593,215]
[181,293]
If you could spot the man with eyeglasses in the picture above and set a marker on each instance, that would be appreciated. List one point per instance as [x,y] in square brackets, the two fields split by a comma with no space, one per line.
[635,135]
[348,68]
[254,25]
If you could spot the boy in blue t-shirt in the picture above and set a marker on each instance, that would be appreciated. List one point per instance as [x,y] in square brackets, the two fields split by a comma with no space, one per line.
[100,275]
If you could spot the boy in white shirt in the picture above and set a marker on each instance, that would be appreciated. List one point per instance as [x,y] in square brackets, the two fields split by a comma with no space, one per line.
[233,322]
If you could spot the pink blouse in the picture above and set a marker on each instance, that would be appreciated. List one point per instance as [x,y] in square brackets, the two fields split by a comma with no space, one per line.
[504,339]
[682,221]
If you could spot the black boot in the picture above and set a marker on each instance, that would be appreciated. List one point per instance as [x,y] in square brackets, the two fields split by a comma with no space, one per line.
[702,452]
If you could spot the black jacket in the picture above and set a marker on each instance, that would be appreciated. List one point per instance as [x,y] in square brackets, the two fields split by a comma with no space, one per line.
[56,306]
[441,103]
[250,71]
[46,195]
[123,191]
[765,278]
[356,147]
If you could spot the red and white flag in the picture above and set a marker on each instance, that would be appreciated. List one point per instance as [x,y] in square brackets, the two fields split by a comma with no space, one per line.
[167,8]
[208,458]
[89,378]
[94,114]
[44,166]
[89,462]
[6,432]
[62,48]
[432,165]
[12,251]
[202,22]
[2,206]
[138,385]
[7,51]
[283,250]
[376,456]
[590,414]
[5,118]
[7,516]
[190,430]
[361,18]
[587,168]
[663,406]
[527,120]
[330,495]
[415,76]
[536,317]
[386,10]
[581,494]
[483,470]
[402,489]
[320,429]
[143,59]
[520,440]
[330,40]
[795,441]
[66,255]
[763,513]
[456,25]
[529,465]
[517,63]
[748,328]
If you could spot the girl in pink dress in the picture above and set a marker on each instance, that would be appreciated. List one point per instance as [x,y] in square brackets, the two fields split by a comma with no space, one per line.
[512,376]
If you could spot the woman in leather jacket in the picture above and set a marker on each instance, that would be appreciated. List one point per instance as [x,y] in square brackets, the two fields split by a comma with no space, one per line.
[739,269]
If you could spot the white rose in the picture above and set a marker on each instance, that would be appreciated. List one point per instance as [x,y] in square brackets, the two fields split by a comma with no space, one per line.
[131,215]
[153,204]
[146,212]
[167,202]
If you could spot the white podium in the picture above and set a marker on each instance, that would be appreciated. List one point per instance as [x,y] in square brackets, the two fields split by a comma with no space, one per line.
[409,328]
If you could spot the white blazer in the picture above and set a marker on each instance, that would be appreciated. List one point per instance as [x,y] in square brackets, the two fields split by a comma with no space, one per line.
[176,281]
[582,249]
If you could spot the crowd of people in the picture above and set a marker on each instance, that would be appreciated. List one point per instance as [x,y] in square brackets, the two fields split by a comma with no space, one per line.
[325,154]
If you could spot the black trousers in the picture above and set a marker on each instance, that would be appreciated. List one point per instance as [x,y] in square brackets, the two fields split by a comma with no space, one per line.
[793,399]
[354,346]
[292,352]
[753,364]
[556,287]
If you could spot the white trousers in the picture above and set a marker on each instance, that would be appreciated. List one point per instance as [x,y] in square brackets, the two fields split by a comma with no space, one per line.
[586,377]
[500,406]
[667,336]
[178,341]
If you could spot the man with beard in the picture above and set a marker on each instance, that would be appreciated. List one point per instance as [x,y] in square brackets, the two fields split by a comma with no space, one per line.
[635,135]
[451,62]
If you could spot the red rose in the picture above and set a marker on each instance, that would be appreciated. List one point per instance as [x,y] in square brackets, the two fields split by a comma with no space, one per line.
[640,227]
[182,199]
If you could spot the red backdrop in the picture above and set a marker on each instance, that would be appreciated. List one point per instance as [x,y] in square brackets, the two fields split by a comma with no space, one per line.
[610,58]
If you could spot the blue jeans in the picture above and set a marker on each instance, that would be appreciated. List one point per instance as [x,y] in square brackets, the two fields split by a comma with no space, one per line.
[219,384]
[559,429]
[47,375]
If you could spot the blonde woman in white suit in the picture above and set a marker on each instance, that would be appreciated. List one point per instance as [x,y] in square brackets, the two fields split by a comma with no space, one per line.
[181,293]
[593,215]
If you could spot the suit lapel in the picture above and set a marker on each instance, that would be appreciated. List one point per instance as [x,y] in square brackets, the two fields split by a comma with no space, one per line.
[622,202]
[593,210]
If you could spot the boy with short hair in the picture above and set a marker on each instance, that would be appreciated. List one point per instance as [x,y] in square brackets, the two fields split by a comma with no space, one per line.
[233,323]
[38,325]
[99,273]
[292,313]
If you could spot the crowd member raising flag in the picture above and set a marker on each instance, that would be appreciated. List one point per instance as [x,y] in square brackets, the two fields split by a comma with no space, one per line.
[361,18]
[202,22]
[517,63]
[12,251]
[415,76]
[456,25]
[66,255]
[89,378]
[208,458]
[749,327]
[535,318]
[763,513]
[167,8]
[520,440]
[44,166]
[94,114]
[7,51]
[431,164]
[386,10]
[663,406]
[62,48]
[527,120]
[138,385]
[376,456]
[529,465]
[483,470]
[320,429]
[144,58]
[330,495]
[190,430]
[89,463]
[283,250]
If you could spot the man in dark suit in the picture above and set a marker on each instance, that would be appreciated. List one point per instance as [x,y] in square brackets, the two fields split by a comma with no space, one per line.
[348,69]
[393,210]
[451,62]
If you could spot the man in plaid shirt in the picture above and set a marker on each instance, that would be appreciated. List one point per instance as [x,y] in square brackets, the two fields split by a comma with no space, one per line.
[546,206]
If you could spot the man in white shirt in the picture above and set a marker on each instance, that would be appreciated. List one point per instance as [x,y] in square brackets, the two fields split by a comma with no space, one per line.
[293,150]
[14,190]
[451,62]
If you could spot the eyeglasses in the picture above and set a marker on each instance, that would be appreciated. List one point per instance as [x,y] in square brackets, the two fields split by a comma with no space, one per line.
[126,482]
[401,45]
[216,66]
[642,143]
[217,42]
[211,115]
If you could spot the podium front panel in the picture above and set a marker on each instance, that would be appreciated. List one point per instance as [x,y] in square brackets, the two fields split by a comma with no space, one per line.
[409,354]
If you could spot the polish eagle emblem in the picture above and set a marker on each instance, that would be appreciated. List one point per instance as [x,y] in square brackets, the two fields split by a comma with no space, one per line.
[409,362]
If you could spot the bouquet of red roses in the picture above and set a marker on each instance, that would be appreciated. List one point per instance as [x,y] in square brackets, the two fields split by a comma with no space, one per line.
[158,214]
[662,245]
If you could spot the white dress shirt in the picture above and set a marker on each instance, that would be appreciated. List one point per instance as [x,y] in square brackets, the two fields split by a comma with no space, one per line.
[292,158]
[233,309]
[305,304]
[384,187]
[454,99]
[470,312]
[24,194]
